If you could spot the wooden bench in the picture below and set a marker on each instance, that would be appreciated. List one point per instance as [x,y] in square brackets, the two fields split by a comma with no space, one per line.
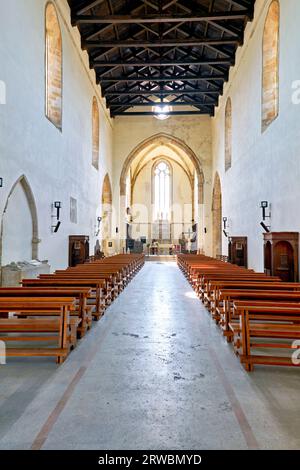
[63,327]
[83,310]
[97,297]
[269,327]
[229,296]
[266,283]
[210,286]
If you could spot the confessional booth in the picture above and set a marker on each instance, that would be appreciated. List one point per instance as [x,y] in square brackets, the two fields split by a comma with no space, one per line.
[281,255]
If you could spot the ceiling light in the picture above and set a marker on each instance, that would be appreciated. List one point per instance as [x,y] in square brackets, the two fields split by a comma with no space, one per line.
[162,111]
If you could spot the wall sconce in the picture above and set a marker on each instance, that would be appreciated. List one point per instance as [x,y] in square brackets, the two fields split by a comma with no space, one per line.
[1,182]
[225,220]
[264,205]
[57,206]
[97,230]
[265,227]
[56,227]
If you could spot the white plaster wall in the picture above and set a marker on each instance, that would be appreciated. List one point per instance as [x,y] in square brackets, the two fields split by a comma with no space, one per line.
[264,166]
[17,228]
[129,132]
[57,165]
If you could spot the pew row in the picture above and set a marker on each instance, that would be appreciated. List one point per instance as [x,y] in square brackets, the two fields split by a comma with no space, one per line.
[258,314]
[55,310]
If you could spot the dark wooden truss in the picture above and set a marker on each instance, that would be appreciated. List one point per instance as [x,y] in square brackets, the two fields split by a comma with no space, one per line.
[149,51]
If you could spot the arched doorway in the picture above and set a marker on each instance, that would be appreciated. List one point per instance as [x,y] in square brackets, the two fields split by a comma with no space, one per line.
[181,159]
[19,225]
[106,232]
[217,217]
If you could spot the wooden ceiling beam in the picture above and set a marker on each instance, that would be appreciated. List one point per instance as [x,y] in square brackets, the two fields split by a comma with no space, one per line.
[161,18]
[89,6]
[161,93]
[175,78]
[193,42]
[152,113]
[155,103]
[162,63]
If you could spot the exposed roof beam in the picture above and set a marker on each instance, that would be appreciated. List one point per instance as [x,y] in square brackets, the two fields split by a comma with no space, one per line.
[156,103]
[161,93]
[239,3]
[162,63]
[151,113]
[89,6]
[176,78]
[194,42]
[162,18]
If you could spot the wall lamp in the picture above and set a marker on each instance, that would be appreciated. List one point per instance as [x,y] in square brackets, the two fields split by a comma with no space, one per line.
[265,227]
[97,231]
[225,225]
[57,206]
[264,206]
[1,182]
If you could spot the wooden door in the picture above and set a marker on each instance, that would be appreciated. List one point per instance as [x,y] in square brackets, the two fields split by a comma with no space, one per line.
[284,261]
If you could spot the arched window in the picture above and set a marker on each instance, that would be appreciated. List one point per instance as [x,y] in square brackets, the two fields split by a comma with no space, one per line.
[228,134]
[162,190]
[96,134]
[270,79]
[53,67]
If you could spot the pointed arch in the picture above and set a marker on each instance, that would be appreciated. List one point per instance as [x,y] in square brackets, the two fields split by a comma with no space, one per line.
[228,134]
[24,184]
[270,66]
[106,190]
[54,66]
[164,139]
[106,208]
[217,217]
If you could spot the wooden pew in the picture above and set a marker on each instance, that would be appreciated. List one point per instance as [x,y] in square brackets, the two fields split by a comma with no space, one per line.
[208,283]
[264,283]
[81,294]
[229,296]
[97,286]
[268,326]
[62,325]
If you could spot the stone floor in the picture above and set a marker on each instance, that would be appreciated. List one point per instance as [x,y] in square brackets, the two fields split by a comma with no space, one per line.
[154,373]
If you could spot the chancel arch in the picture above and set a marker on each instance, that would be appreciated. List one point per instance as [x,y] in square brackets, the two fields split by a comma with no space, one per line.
[19,225]
[162,165]
[167,140]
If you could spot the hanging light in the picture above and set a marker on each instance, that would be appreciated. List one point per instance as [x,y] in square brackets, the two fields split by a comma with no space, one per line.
[162,111]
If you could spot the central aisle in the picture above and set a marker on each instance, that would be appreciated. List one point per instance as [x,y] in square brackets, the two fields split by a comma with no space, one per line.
[155,373]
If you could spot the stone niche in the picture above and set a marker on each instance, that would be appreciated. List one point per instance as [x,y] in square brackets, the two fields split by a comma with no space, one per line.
[12,274]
